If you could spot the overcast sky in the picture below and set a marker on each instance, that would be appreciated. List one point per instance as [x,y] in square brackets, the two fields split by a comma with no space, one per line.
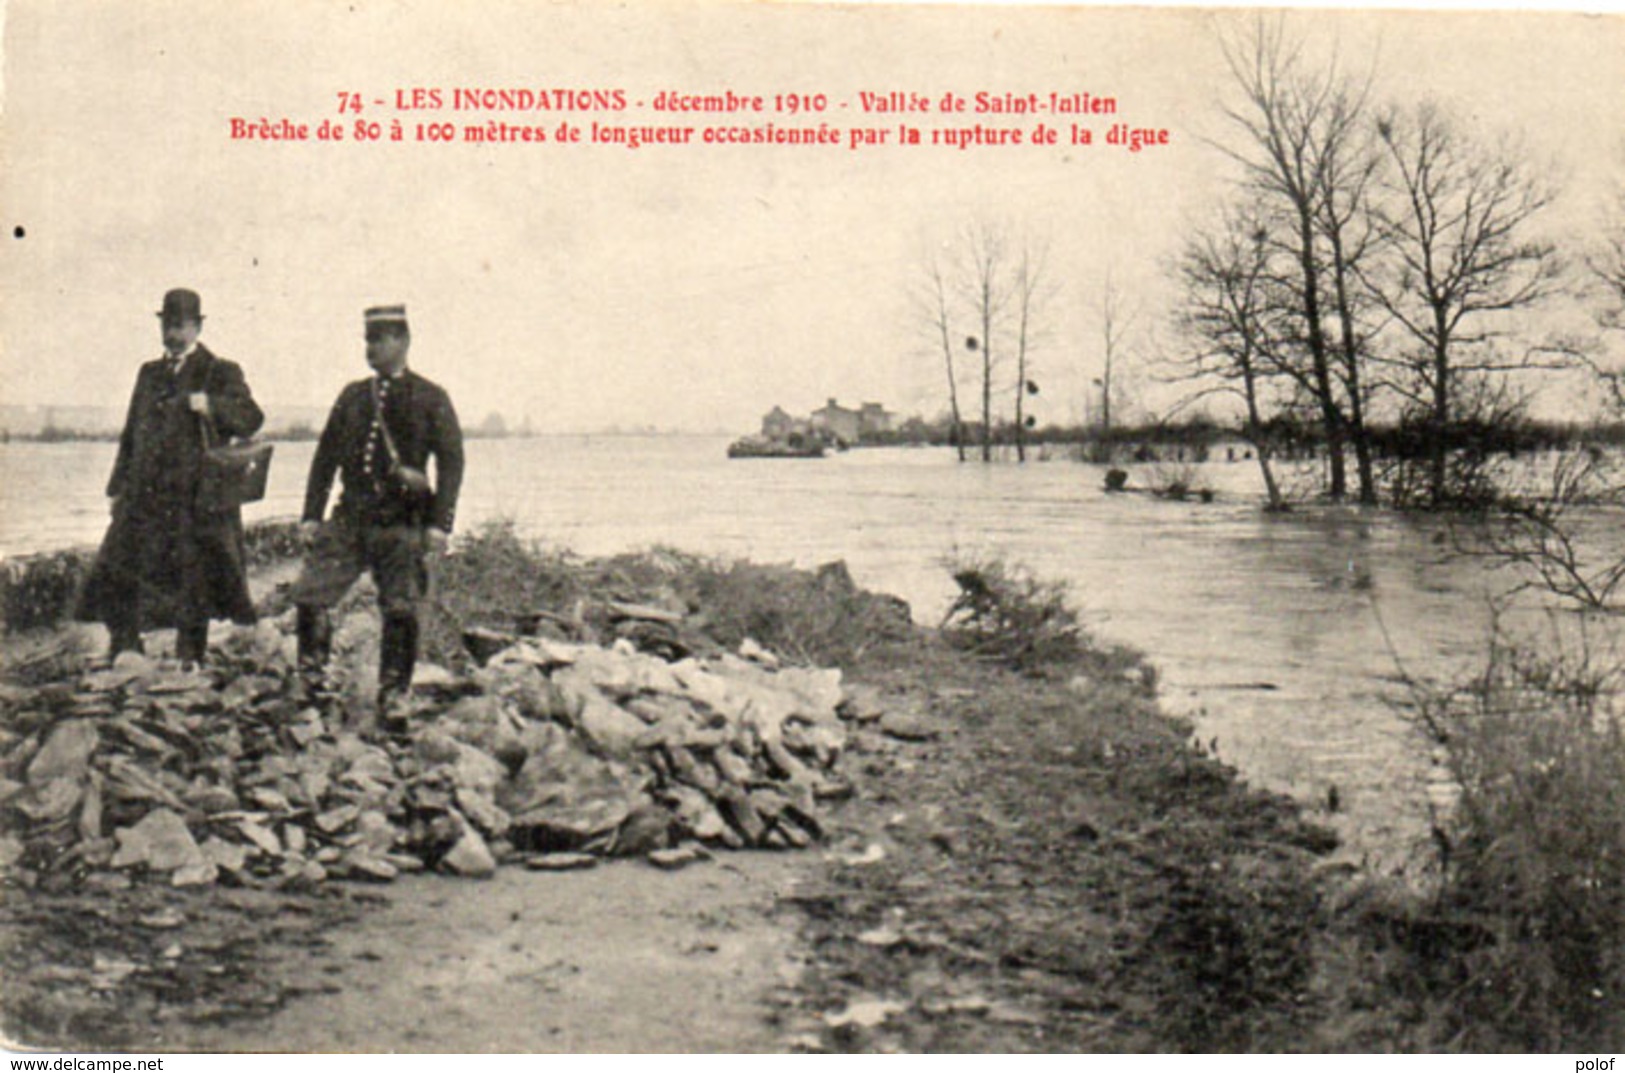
[588,285]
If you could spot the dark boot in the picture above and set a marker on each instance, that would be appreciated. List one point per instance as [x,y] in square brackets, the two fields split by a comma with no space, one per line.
[192,641]
[398,653]
[125,638]
[124,629]
[313,630]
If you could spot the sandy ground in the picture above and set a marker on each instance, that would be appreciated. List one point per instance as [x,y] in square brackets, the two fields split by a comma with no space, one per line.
[619,957]
[622,957]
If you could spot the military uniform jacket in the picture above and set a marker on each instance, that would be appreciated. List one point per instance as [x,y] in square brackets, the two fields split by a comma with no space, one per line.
[180,560]
[422,424]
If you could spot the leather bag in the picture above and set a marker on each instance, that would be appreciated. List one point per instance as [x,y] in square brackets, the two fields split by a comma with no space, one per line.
[232,473]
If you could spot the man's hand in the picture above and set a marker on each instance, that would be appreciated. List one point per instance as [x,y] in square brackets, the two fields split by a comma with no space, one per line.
[437,540]
[198,402]
[308,531]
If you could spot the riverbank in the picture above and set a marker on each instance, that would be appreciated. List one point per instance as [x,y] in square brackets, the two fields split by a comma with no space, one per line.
[1034,858]
[1263,628]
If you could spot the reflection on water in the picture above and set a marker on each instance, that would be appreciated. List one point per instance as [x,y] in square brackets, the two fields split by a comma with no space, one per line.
[1282,636]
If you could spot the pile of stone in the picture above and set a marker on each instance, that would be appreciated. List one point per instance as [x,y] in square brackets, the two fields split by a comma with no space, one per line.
[552,754]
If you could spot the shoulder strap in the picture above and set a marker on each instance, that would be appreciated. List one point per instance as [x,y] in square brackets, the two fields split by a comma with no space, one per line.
[206,426]
[383,426]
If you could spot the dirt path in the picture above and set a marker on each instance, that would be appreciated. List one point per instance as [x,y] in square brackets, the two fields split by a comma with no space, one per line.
[619,957]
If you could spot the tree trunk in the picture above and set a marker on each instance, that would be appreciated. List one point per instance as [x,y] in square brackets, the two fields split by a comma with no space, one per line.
[958,427]
[1021,390]
[1440,424]
[1256,437]
[1331,415]
[1351,375]
[987,374]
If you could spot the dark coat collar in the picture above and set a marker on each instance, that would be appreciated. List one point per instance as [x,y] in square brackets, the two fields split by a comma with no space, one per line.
[201,356]
[195,373]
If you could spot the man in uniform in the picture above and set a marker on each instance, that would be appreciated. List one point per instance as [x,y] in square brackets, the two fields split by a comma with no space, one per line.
[379,437]
[167,559]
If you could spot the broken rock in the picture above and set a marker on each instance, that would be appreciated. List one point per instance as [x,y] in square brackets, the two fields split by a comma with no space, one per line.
[66,752]
[161,841]
[677,857]
[609,726]
[363,865]
[564,797]
[862,704]
[865,1013]
[561,862]
[469,855]
[195,875]
[227,856]
[907,726]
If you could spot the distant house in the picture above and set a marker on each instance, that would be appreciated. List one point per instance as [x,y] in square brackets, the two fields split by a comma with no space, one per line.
[874,420]
[780,427]
[835,424]
[915,430]
[838,423]
[777,425]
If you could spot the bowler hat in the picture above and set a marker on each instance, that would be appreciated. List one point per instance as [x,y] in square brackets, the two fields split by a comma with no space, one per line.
[182,304]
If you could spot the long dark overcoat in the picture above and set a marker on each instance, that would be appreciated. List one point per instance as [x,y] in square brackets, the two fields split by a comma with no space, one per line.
[160,545]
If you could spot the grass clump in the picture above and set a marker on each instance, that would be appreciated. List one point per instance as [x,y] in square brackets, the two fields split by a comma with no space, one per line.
[497,578]
[1236,938]
[819,617]
[1533,855]
[494,577]
[1006,615]
[40,590]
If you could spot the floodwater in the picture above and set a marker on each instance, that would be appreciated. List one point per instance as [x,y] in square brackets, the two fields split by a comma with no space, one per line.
[1284,638]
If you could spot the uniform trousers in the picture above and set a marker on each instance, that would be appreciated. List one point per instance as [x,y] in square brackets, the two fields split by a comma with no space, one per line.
[394,555]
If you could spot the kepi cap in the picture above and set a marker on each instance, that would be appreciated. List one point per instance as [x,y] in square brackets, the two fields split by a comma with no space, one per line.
[385,316]
[181,304]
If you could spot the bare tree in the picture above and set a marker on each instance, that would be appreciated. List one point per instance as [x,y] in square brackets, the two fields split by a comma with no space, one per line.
[1564,534]
[1115,324]
[988,293]
[1348,164]
[989,289]
[1608,272]
[1028,293]
[1229,313]
[937,304]
[1608,266]
[1560,534]
[1285,117]
[1457,224]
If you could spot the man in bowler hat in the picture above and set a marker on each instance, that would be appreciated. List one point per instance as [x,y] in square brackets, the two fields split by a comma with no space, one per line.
[168,560]
[379,438]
